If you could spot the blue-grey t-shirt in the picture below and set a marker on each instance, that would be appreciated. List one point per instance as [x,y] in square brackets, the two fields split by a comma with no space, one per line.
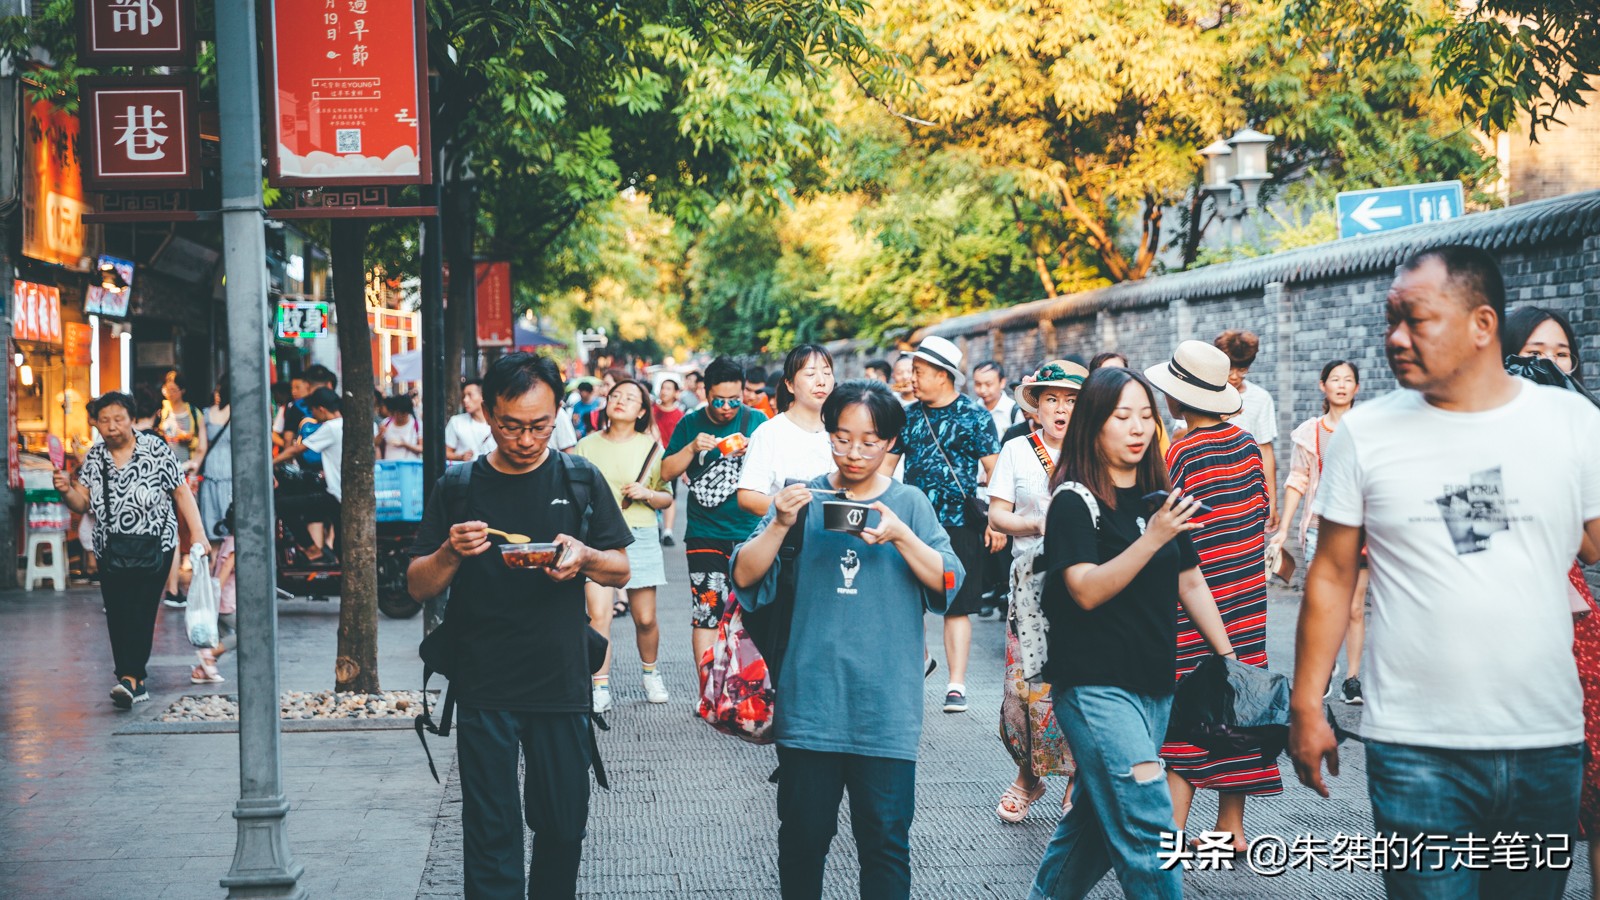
[852,679]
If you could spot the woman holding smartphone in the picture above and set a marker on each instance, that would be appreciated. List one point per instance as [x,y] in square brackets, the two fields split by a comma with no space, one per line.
[849,710]
[1117,570]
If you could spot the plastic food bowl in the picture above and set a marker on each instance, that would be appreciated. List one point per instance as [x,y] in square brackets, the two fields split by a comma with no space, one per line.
[530,556]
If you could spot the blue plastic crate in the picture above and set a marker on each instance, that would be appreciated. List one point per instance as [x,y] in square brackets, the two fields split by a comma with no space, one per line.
[398,486]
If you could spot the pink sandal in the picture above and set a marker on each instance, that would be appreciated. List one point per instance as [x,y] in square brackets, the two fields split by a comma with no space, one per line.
[1015,802]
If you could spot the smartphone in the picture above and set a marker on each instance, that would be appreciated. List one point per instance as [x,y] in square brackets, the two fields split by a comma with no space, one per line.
[1159,498]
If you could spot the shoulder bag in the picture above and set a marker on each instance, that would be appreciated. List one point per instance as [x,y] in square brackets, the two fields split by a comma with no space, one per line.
[126,554]
[975,511]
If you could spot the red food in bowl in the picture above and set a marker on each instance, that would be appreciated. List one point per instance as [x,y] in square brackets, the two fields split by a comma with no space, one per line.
[530,556]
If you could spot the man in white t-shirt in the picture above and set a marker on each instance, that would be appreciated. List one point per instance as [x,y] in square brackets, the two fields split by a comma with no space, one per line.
[1259,415]
[1474,489]
[989,383]
[298,511]
[467,435]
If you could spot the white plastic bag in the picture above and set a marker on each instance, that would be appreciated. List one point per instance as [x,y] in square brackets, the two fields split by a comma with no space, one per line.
[200,616]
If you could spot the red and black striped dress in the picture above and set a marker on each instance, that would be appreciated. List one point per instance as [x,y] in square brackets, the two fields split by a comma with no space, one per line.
[1222,466]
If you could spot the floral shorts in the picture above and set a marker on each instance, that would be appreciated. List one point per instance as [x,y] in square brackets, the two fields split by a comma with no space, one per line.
[709,582]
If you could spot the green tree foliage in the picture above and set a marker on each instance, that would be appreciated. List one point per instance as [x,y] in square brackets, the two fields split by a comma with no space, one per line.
[894,237]
[1093,108]
[1508,61]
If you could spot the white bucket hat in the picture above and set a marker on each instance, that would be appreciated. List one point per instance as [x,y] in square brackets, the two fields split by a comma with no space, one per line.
[943,353]
[1197,377]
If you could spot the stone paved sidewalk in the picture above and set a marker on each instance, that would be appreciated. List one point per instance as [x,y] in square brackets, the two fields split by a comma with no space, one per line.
[86,813]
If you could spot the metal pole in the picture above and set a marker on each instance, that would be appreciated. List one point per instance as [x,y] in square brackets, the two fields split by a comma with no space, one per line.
[263,865]
[433,355]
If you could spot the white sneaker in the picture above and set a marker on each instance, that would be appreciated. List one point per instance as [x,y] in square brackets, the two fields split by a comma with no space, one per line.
[602,698]
[655,690]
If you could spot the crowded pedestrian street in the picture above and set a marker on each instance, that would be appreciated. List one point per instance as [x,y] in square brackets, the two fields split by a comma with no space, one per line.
[537,450]
[98,805]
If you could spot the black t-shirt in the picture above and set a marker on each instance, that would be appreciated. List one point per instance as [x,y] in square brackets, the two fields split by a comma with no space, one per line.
[522,635]
[1131,640]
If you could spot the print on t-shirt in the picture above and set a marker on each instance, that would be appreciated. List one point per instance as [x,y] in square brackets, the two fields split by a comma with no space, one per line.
[849,565]
[1475,511]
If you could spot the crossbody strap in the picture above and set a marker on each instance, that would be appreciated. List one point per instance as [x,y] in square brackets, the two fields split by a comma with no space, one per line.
[212,443]
[1042,453]
[940,447]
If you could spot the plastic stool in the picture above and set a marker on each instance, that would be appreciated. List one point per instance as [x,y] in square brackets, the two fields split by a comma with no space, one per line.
[56,569]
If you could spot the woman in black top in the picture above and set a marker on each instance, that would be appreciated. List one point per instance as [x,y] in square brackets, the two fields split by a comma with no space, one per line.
[1118,569]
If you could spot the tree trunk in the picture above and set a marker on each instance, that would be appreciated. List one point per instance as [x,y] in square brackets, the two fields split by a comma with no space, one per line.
[460,214]
[356,668]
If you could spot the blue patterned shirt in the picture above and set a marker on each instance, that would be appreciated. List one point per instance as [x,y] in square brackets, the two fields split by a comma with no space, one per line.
[965,431]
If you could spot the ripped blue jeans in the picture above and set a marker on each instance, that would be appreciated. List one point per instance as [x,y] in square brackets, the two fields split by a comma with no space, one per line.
[1120,802]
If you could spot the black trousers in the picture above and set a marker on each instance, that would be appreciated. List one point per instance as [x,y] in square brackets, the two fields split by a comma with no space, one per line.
[883,799]
[131,604]
[296,510]
[554,802]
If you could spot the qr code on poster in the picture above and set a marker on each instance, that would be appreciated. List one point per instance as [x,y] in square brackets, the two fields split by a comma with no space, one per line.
[348,140]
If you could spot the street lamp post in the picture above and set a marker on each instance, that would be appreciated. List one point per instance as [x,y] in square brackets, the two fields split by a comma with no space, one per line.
[1235,169]
[263,865]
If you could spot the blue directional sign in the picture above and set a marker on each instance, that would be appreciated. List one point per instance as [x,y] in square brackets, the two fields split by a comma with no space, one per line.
[1385,209]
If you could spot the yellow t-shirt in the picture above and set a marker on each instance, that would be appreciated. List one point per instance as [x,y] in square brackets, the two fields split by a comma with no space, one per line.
[620,462]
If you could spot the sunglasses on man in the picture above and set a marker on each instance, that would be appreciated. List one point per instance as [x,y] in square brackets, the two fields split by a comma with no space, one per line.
[725,403]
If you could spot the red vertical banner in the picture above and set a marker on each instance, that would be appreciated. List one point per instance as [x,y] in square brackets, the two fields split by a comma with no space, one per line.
[37,313]
[77,338]
[349,92]
[494,304]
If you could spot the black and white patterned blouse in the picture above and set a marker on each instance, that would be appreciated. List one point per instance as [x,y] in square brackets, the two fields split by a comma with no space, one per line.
[141,491]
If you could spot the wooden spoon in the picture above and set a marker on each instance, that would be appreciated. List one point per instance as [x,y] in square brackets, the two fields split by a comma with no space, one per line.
[511,537]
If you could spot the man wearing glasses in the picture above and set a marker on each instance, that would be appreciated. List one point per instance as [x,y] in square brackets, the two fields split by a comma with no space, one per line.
[709,445]
[521,677]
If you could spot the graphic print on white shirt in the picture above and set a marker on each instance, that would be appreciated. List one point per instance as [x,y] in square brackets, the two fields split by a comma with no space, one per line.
[1475,511]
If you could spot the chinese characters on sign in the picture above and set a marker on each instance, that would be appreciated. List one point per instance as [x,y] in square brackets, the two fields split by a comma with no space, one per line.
[78,338]
[349,92]
[141,133]
[494,304]
[302,320]
[136,32]
[52,190]
[38,312]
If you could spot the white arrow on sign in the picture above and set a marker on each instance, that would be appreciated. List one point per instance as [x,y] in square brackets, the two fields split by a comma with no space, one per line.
[1369,212]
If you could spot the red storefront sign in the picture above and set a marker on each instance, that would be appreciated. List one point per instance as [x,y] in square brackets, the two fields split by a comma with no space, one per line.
[78,338]
[141,133]
[494,304]
[349,92]
[136,32]
[38,312]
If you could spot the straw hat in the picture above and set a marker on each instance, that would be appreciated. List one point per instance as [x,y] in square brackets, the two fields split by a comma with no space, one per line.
[1197,377]
[1057,373]
[943,353]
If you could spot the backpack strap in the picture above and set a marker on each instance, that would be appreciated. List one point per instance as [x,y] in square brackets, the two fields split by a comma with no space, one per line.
[1087,496]
[453,489]
[424,722]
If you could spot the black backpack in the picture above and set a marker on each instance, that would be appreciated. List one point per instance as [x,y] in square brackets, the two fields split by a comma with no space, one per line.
[769,626]
[440,649]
